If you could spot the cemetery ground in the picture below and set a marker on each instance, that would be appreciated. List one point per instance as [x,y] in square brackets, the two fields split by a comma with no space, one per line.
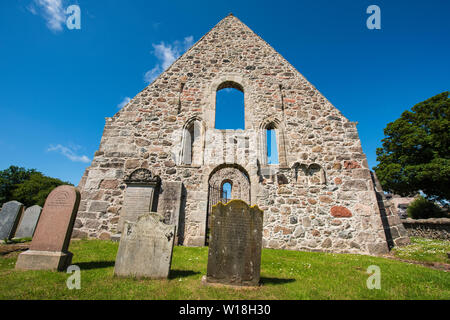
[285,275]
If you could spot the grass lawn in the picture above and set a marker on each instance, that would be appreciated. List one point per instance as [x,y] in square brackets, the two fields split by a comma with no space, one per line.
[284,274]
[424,250]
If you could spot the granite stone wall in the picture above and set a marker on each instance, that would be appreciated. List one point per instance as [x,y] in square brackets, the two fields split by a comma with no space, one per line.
[319,197]
[428,228]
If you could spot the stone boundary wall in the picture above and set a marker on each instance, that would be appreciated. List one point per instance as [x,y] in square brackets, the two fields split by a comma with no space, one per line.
[428,228]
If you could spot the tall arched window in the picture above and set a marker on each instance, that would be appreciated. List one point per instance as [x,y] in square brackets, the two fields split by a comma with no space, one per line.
[272,143]
[192,146]
[230,107]
[272,146]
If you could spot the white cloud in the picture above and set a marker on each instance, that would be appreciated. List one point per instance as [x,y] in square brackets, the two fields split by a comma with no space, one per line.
[166,55]
[69,152]
[124,102]
[52,11]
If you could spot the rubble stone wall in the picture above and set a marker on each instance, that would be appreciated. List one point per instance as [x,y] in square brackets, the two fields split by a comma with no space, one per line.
[319,197]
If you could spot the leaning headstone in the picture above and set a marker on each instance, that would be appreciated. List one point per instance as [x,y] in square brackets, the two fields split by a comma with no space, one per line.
[49,248]
[235,245]
[145,249]
[28,222]
[9,219]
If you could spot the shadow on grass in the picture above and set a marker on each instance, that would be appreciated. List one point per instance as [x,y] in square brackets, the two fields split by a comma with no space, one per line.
[181,273]
[95,265]
[275,280]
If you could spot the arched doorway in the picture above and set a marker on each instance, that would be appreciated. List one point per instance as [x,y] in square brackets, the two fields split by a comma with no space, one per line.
[226,182]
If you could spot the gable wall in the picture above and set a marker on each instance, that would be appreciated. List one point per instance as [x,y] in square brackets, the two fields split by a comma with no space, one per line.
[298,212]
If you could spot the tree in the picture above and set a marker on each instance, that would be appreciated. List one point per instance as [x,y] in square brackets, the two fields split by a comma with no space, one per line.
[27,186]
[11,177]
[415,154]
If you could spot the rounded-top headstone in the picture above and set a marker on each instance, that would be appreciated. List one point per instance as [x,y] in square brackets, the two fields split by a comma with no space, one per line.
[9,218]
[56,222]
[234,256]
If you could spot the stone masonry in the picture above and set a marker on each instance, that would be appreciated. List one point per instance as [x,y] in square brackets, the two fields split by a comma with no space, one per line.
[319,197]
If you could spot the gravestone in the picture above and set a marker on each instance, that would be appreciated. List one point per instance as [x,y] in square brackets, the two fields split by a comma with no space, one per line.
[28,222]
[9,219]
[234,256]
[169,205]
[140,195]
[145,249]
[49,248]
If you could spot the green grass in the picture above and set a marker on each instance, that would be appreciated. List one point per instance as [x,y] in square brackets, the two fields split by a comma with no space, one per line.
[424,250]
[284,274]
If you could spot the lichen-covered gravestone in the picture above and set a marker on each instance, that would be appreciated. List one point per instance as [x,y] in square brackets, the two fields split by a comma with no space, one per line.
[9,219]
[235,246]
[49,248]
[145,249]
[28,223]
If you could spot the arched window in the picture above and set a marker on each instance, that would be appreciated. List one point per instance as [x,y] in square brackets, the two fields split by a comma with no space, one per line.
[191,153]
[226,191]
[272,143]
[230,107]
[272,146]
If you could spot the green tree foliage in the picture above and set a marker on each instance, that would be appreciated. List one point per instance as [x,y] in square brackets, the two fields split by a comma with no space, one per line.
[422,208]
[27,186]
[11,177]
[415,154]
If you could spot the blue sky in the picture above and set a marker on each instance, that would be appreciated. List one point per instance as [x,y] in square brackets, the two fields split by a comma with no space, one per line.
[57,85]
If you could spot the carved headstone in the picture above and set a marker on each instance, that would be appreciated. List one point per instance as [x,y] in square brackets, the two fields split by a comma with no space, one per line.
[140,195]
[49,248]
[169,205]
[28,222]
[235,246]
[9,219]
[145,249]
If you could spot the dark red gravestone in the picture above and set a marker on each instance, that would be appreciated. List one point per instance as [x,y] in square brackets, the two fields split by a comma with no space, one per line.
[50,244]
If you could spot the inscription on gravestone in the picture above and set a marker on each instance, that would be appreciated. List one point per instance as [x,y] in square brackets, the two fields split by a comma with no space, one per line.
[28,222]
[50,244]
[234,256]
[145,248]
[9,219]
[140,195]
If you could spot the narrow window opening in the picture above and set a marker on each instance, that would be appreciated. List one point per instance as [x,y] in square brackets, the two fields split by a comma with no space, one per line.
[226,191]
[272,146]
[191,140]
[230,108]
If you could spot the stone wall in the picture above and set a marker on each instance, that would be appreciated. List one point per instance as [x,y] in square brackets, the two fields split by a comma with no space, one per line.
[428,228]
[319,197]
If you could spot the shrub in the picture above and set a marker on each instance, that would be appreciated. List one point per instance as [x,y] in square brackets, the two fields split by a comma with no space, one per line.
[422,208]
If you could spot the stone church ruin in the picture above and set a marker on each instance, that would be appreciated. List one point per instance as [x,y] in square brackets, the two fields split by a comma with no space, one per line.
[163,153]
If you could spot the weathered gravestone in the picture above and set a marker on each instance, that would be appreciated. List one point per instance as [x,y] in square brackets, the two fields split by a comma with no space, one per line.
[49,248]
[235,245]
[28,222]
[9,219]
[140,196]
[169,206]
[145,249]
